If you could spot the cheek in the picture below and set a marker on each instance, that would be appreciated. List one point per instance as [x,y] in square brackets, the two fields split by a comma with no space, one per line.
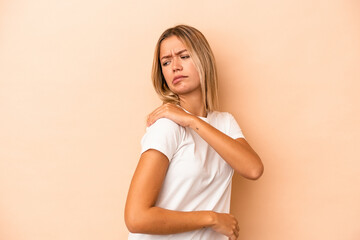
[166,75]
[194,71]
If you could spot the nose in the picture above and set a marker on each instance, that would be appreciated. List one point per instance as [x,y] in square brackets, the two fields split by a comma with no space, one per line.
[176,66]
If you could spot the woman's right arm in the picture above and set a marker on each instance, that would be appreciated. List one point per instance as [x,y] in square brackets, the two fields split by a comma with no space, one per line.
[141,215]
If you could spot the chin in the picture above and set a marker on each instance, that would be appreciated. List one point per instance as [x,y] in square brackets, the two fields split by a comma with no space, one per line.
[183,91]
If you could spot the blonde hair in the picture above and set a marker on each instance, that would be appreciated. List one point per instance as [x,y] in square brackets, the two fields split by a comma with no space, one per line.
[200,52]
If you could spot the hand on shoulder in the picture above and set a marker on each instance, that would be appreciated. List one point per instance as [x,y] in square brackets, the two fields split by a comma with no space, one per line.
[172,112]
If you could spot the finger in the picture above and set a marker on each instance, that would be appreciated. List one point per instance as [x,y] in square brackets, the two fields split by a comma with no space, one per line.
[162,111]
[151,113]
[158,109]
[236,233]
[154,115]
[149,119]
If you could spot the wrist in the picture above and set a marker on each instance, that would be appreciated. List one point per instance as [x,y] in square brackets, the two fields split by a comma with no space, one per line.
[193,121]
[211,221]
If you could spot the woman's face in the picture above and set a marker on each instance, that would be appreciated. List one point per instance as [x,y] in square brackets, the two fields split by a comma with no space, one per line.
[178,67]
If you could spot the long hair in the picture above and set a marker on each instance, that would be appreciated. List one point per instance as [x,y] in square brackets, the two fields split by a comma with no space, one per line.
[204,60]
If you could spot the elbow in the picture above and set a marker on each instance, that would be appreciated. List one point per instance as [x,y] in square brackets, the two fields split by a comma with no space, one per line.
[256,172]
[133,222]
[133,225]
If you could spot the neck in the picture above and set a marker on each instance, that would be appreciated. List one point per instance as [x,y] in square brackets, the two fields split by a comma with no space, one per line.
[193,103]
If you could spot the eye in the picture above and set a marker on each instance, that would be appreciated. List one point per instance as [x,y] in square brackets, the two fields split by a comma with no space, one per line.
[185,56]
[166,63]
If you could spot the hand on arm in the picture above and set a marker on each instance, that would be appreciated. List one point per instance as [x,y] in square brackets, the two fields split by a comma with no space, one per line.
[141,215]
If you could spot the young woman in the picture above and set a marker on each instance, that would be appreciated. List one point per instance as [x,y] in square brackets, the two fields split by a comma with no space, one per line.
[182,184]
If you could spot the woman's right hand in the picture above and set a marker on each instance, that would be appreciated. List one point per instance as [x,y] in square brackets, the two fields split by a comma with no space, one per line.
[226,224]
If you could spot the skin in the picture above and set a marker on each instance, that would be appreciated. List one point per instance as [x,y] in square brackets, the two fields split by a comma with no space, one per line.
[151,170]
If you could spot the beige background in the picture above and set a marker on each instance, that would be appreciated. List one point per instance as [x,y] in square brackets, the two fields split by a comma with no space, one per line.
[75,90]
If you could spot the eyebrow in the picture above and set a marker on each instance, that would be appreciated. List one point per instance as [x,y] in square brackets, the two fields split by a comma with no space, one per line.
[177,53]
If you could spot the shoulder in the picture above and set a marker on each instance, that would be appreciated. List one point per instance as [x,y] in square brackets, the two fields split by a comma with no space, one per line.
[220,120]
[230,125]
[164,127]
[224,121]
[164,135]
[164,124]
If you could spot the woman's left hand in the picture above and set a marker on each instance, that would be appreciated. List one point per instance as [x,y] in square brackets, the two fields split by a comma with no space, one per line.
[172,112]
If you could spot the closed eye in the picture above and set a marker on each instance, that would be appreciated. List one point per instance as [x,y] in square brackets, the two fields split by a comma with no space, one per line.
[185,56]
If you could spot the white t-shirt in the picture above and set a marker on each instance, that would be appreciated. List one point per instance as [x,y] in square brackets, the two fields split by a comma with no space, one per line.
[197,178]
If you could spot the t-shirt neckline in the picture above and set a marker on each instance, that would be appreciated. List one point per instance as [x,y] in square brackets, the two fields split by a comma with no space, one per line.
[204,118]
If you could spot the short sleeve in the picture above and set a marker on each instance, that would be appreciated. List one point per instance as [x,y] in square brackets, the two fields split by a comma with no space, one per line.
[234,128]
[162,136]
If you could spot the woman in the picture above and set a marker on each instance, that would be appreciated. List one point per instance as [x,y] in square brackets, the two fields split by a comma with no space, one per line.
[182,184]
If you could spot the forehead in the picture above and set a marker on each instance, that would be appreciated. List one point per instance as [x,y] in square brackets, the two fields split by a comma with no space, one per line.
[171,44]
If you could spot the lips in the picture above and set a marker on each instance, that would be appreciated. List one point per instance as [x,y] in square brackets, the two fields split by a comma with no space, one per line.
[178,78]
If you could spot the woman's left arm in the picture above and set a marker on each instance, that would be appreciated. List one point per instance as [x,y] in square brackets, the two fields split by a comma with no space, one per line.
[236,152]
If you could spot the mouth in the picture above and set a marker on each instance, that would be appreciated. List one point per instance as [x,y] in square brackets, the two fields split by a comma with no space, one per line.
[178,79]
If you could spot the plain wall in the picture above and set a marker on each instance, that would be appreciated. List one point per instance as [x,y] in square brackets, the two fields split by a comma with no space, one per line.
[75,91]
